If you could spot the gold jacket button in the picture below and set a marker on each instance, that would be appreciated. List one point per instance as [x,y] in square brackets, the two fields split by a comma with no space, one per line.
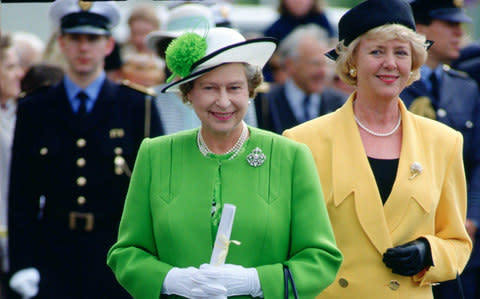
[343,282]
[81,162]
[81,200]
[441,112]
[81,181]
[394,285]
[118,151]
[43,151]
[81,142]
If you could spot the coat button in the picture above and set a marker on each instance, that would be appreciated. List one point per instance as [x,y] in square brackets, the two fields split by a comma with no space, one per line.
[343,282]
[43,151]
[81,142]
[81,181]
[81,200]
[469,124]
[81,162]
[394,285]
[118,151]
[441,112]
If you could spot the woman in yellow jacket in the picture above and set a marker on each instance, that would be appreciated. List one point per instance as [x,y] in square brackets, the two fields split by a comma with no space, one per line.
[393,182]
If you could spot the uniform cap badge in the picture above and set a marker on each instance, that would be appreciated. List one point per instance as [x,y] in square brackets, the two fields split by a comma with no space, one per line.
[85,5]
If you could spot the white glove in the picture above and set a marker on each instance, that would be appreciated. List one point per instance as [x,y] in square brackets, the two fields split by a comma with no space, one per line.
[25,282]
[237,280]
[189,283]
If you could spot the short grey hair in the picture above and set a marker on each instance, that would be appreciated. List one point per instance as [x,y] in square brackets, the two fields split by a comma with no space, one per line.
[288,47]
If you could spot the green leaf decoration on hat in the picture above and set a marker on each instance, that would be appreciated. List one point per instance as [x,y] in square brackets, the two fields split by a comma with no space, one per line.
[183,52]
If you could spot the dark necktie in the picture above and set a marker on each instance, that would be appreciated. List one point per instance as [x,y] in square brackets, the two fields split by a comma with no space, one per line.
[82,109]
[306,108]
[434,81]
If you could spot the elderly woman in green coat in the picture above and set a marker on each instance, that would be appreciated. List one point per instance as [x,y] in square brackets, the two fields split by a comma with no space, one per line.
[182,182]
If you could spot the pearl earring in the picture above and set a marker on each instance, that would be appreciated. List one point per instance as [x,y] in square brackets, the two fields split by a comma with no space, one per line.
[353,72]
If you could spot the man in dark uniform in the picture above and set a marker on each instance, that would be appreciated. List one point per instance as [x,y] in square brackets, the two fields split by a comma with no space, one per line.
[74,146]
[453,98]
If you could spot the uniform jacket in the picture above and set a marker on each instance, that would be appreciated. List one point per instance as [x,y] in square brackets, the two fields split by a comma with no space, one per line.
[281,113]
[280,216]
[459,108]
[431,204]
[62,165]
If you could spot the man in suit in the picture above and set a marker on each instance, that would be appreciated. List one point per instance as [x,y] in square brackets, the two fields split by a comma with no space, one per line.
[453,98]
[74,146]
[304,95]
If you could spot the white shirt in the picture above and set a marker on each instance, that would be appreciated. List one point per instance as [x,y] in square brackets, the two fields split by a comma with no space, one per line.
[8,117]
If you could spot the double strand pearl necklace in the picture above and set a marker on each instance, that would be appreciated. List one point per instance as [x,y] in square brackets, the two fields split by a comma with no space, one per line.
[380,134]
[202,146]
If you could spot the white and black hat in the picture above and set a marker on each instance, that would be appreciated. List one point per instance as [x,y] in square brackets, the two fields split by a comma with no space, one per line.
[221,46]
[191,17]
[96,17]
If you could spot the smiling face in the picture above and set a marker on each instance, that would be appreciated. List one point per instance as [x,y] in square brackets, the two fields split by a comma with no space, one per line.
[383,67]
[220,99]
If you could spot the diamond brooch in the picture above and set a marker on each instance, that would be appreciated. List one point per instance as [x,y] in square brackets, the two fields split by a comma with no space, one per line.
[256,157]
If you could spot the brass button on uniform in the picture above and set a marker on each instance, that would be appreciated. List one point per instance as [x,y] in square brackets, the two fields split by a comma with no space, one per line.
[393,285]
[43,151]
[343,282]
[81,162]
[81,181]
[118,151]
[81,142]
[81,200]
[441,112]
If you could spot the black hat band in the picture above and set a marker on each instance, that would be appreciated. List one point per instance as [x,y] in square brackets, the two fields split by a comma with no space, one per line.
[84,19]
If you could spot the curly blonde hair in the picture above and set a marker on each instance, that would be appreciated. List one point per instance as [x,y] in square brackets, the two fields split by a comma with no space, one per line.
[345,60]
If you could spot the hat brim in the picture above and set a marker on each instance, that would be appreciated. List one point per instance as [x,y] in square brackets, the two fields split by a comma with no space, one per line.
[158,41]
[155,37]
[332,54]
[253,51]
[451,15]
[87,30]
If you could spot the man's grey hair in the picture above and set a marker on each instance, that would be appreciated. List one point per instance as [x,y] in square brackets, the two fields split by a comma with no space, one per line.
[288,47]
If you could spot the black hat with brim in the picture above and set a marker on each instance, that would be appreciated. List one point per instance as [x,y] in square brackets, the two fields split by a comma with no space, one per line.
[371,14]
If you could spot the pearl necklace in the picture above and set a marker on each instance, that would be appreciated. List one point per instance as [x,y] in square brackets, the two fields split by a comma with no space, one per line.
[379,134]
[202,146]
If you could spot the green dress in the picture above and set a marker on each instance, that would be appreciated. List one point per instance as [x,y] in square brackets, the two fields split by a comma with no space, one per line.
[280,216]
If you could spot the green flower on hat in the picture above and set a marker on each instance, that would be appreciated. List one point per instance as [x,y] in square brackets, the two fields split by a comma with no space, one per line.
[183,52]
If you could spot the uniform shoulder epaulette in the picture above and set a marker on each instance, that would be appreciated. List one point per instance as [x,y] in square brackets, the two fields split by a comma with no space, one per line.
[138,87]
[448,69]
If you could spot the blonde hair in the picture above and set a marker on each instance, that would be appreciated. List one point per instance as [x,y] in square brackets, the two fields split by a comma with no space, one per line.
[345,60]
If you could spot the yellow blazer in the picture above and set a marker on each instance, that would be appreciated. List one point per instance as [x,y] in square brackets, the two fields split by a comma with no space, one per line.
[431,204]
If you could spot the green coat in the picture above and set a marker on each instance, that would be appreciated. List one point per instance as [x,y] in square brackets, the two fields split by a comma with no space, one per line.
[280,217]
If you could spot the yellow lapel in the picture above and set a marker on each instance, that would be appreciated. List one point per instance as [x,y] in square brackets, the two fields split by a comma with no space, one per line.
[354,180]
[408,185]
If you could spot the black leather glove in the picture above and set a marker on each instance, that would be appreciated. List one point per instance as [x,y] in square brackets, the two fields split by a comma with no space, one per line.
[410,258]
